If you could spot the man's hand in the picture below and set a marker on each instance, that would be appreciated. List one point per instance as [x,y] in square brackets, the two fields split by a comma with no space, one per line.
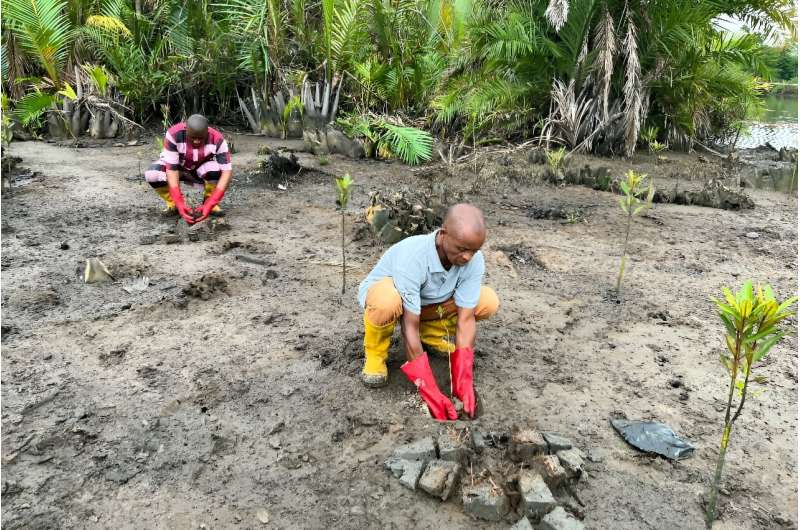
[419,372]
[180,205]
[204,211]
[461,362]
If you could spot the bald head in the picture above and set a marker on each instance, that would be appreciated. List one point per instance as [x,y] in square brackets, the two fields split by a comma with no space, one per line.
[465,220]
[462,235]
[197,123]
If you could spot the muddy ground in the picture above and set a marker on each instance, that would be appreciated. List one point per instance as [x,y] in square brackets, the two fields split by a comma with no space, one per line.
[230,386]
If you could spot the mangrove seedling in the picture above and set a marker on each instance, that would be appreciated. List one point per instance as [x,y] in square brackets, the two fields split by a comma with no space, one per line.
[555,161]
[751,330]
[634,186]
[343,197]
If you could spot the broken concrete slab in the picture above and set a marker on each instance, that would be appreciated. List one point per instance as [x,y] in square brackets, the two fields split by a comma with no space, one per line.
[407,471]
[556,442]
[572,461]
[537,500]
[439,478]
[550,469]
[526,444]
[423,450]
[522,524]
[483,501]
[559,519]
[453,446]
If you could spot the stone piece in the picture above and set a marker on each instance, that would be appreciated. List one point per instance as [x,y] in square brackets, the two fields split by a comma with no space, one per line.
[537,499]
[407,471]
[526,444]
[550,469]
[484,502]
[453,446]
[572,462]
[522,524]
[423,450]
[559,519]
[556,442]
[439,478]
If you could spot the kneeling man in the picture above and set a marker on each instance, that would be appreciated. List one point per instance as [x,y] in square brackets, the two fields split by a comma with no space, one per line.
[432,284]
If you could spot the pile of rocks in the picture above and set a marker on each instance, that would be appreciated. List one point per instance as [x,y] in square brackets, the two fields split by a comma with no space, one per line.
[526,477]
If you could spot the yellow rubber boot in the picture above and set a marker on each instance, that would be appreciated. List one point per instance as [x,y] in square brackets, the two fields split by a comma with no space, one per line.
[439,335]
[163,192]
[207,191]
[377,340]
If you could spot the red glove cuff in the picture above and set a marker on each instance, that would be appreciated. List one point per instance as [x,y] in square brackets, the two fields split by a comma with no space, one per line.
[177,197]
[215,197]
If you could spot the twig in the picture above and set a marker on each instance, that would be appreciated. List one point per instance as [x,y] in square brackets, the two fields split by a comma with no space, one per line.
[250,259]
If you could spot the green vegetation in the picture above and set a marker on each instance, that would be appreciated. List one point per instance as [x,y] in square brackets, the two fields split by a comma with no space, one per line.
[751,323]
[583,74]
[634,187]
[342,198]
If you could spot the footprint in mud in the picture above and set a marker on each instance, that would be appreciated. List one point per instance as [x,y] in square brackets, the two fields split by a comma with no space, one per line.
[206,286]
[115,356]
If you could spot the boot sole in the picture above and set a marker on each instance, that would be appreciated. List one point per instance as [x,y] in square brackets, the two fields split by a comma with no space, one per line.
[374,381]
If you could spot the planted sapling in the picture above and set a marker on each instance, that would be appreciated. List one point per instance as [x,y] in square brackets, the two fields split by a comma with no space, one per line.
[343,197]
[751,323]
[634,187]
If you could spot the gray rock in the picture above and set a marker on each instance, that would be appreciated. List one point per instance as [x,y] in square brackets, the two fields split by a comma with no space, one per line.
[595,455]
[522,524]
[572,462]
[423,450]
[526,444]
[752,235]
[536,496]
[483,502]
[439,478]
[453,447]
[407,471]
[550,469]
[556,442]
[559,519]
[478,441]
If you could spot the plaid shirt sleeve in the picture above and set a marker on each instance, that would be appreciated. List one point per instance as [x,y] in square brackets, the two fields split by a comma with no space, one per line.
[170,156]
[223,155]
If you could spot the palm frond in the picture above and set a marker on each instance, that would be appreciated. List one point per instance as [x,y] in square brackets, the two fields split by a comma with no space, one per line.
[412,145]
[32,106]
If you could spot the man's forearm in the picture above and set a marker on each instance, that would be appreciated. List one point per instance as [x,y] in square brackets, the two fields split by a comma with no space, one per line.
[411,339]
[224,180]
[173,178]
[465,332]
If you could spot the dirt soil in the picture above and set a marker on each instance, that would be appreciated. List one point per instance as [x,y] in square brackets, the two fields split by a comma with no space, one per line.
[227,393]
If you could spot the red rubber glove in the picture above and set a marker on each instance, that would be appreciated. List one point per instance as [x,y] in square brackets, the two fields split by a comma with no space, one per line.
[205,210]
[419,372]
[461,362]
[177,198]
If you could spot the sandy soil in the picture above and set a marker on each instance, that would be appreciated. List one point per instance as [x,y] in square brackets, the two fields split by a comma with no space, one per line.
[228,387]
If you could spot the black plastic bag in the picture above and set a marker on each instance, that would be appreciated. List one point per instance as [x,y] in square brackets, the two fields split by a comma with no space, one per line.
[653,437]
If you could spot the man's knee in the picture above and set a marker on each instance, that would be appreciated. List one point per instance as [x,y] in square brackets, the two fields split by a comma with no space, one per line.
[488,303]
[156,175]
[383,304]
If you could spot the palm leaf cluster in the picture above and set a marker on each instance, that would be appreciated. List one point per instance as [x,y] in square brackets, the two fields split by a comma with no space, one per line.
[588,74]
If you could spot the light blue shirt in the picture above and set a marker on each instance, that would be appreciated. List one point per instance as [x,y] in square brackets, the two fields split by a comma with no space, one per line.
[419,277]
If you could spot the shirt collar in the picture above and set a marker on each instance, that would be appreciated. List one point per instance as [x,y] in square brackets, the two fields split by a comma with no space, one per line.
[435,264]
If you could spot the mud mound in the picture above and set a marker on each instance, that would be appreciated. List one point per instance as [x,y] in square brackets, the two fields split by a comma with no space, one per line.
[206,286]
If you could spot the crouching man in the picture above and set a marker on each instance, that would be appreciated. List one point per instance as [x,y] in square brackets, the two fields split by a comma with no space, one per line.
[432,285]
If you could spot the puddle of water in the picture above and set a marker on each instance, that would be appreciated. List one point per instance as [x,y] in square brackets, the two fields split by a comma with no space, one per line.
[778,124]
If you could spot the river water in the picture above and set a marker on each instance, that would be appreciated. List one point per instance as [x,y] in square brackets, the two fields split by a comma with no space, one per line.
[778,125]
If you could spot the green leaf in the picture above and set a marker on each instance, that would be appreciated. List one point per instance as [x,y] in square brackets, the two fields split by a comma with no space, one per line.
[623,205]
[68,92]
[767,345]
[728,324]
[412,145]
[31,106]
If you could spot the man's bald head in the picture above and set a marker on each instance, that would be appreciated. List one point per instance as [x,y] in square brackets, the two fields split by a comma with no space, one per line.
[465,220]
[462,235]
[197,123]
[197,129]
